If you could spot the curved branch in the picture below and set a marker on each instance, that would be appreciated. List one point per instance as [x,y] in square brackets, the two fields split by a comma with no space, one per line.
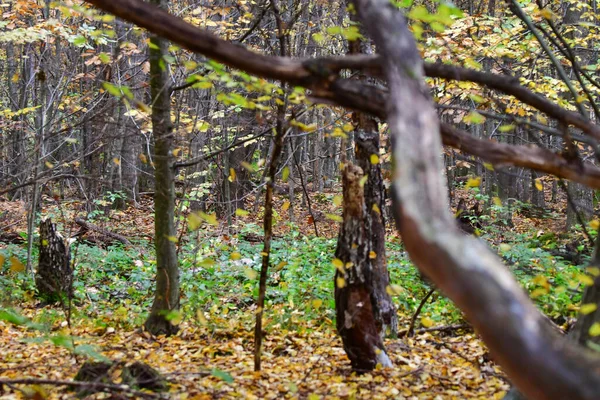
[539,362]
[373,100]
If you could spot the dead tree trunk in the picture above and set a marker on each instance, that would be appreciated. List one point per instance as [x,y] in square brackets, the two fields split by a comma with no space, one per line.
[54,274]
[354,301]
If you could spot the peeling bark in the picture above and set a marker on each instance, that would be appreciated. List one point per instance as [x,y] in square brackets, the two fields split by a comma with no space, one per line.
[354,301]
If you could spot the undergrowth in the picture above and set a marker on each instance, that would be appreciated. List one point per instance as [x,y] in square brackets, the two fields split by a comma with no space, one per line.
[114,286]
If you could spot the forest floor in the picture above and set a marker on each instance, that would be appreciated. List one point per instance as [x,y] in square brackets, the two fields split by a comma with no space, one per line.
[212,355]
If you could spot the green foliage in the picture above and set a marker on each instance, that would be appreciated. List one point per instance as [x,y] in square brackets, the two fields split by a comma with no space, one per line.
[219,279]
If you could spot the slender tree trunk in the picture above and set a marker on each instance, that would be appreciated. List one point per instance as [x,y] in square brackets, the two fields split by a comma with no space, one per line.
[166,297]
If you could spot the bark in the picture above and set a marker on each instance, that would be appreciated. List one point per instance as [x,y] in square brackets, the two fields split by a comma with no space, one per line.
[366,138]
[541,364]
[166,297]
[54,275]
[354,301]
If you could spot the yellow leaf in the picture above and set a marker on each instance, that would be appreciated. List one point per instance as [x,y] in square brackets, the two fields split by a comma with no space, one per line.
[316,303]
[176,151]
[504,247]
[201,318]
[473,182]
[541,280]
[595,224]
[374,159]
[285,174]
[593,271]
[372,255]
[427,322]
[313,396]
[538,292]
[585,279]
[235,256]
[231,177]
[334,217]
[394,290]
[363,180]
[241,213]
[546,13]
[250,273]
[279,266]
[538,185]
[264,253]
[49,164]
[143,158]
[209,218]
[172,239]
[541,119]
[248,166]
[194,221]
[595,329]
[497,201]
[340,282]
[2,259]
[207,262]
[348,127]
[285,206]
[376,209]
[116,160]
[339,264]
[16,265]
[589,308]
[337,200]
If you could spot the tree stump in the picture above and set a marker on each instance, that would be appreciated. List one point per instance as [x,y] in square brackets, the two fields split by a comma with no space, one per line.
[54,274]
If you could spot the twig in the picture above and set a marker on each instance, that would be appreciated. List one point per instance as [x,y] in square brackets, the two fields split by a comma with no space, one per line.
[409,331]
[310,210]
[441,328]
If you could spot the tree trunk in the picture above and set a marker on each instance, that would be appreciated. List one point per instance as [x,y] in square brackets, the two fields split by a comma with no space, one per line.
[54,275]
[354,301]
[166,297]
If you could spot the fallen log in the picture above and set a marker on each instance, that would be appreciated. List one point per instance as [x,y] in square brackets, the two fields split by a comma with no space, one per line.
[87,226]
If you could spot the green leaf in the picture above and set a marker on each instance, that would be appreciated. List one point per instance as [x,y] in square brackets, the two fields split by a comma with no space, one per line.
[91,352]
[112,89]
[224,376]
[474,118]
[79,41]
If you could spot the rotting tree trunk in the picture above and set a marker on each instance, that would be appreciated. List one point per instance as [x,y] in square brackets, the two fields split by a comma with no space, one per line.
[166,296]
[539,362]
[54,275]
[367,151]
[354,301]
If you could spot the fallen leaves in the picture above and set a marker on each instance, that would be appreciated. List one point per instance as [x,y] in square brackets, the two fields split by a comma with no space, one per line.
[206,362]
